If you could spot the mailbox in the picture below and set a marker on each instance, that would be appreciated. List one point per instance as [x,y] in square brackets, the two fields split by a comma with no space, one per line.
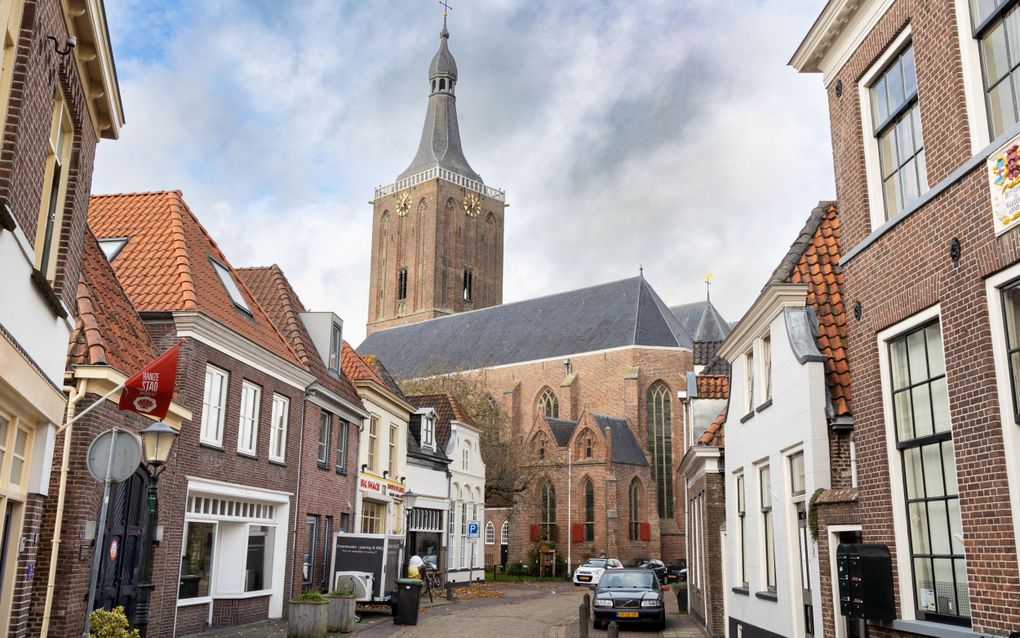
[865,581]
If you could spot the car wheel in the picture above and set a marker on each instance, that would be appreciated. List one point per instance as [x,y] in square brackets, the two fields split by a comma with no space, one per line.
[661,625]
[598,624]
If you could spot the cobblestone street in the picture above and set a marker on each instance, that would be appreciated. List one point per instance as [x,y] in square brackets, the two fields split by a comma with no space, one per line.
[545,610]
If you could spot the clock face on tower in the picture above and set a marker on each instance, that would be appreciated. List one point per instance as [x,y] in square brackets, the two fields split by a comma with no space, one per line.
[472,205]
[403,204]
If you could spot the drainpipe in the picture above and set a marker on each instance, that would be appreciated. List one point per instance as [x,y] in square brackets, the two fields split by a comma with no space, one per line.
[74,396]
[297,502]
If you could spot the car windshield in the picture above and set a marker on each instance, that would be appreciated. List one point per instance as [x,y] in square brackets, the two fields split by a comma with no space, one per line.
[637,562]
[627,580]
[597,562]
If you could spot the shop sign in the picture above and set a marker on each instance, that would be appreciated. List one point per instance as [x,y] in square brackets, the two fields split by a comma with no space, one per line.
[1003,167]
[380,486]
[114,549]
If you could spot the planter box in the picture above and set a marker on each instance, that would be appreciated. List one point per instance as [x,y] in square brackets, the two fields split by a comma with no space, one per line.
[306,619]
[341,614]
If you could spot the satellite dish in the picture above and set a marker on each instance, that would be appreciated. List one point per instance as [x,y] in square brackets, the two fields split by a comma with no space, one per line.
[116,451]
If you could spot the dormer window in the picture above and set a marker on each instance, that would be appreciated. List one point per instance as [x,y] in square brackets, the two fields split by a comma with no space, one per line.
[227,279]
[112,246]
[428,431]
[335,339]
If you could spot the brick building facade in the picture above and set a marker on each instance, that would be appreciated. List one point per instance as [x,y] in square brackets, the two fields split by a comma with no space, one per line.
[56,102]
[929,262]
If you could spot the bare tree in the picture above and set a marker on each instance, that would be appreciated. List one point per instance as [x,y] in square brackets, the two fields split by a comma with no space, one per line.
[506,457]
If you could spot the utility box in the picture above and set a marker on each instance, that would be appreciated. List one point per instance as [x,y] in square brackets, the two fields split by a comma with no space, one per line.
[865,581]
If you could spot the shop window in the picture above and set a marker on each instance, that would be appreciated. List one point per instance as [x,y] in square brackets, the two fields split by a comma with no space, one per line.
[196,562]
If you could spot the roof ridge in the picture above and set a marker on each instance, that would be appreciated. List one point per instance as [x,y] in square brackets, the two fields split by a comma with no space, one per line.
[88,324]
[800,244]
[136,193]
[179,246]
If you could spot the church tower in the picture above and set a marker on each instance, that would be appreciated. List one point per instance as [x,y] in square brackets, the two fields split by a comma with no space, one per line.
[437,232]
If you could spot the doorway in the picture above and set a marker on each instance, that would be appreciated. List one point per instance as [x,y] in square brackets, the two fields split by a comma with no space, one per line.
[122,544]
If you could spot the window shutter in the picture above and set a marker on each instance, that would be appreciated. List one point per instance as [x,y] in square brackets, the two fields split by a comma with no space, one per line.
[534,532]
[646,532]
[577,532]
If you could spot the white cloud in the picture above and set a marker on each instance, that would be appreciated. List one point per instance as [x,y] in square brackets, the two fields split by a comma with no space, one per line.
[655,132]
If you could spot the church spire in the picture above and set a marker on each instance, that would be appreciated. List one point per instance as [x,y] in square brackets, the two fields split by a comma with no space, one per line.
[440,137]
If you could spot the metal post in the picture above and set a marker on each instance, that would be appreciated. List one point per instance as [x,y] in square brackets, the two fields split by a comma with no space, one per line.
[582,621]
[570,519]
[145,587]
[100,536]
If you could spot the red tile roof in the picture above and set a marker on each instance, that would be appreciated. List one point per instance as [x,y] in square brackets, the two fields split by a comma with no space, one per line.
[356,368]
[165,265]
[278,298]
[818,267]
[715,435]
[109,331]
[713,386]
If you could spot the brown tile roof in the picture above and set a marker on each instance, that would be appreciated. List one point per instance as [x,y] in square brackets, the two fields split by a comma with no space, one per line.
[817,254]
[713,386]
[384,374]
[279,299]
[447,409]
[715,435]
[356,368]
[165,265]
[108,331]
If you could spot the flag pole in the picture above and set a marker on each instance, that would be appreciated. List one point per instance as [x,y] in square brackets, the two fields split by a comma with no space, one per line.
[95,404]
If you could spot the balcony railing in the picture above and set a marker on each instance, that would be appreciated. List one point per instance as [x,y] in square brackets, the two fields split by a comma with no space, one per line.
[437,172]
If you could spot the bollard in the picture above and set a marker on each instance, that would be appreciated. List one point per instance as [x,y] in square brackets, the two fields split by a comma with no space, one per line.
[614,630]
[582,621]
[449,591]
[587,602]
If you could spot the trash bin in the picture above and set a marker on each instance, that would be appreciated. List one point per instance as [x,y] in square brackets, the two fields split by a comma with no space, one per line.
[408,593]
[681,597]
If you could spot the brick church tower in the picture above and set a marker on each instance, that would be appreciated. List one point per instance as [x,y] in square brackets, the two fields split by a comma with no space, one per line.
[437,232]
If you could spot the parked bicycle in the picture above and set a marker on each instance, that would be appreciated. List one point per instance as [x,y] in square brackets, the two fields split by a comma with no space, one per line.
[433,582]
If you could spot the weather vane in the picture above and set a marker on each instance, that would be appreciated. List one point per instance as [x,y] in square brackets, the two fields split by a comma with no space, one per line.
[708,285]
[446,7]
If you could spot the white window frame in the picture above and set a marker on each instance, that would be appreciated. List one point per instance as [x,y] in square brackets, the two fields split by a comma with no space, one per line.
[428,431]
[250,420]
[372,449]
[336,335]
[490,533]
[740,562]
[504,533]
[278,428]
[322,455]
[973,82]
[904,571]
[765,344]
[1010,434]
[872,165]
[763,542]
[391,462]
[750,361]
[214,437]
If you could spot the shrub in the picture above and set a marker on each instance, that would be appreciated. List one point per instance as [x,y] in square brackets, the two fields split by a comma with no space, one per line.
[342,592]
[312,597]
[111,624]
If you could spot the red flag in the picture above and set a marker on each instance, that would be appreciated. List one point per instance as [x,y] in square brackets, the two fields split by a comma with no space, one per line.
[152,388]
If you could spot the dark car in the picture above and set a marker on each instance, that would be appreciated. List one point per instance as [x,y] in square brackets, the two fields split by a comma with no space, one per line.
[653,564]
[676,571]
[629,596]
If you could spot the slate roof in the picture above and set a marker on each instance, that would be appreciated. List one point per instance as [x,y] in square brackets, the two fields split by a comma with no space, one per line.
[625,446]
[715,435]
[440,137]
[108,331]
[384,374]
[562,429]
[447,409]
[279,299]
[620,313]
[165,265]
[814,259]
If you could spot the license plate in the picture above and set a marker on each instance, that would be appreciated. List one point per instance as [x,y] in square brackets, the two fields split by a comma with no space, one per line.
[626,614]
[584,578]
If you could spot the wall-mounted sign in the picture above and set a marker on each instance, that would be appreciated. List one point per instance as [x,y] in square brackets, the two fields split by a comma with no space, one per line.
[1003,168]
[381,486]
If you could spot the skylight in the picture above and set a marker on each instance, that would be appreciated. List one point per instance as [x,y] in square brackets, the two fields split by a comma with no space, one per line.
[111,246]
[228,282]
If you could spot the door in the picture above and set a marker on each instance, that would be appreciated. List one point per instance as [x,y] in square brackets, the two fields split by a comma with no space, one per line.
[123,543]
[804,541]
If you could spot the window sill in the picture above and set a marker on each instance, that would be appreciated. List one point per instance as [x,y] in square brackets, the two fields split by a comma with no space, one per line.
[763,406]
[211,446]
[767,595]
[189,602]
[747,417]
[322,465]
[248,455]
[48,293]
[341,472]
[242,594]
[926,628]
[743,591]
[279,462]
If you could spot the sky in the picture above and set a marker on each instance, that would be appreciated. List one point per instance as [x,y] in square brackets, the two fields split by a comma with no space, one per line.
[668,135]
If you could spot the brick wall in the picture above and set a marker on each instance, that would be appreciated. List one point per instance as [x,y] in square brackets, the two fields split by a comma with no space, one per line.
[707,600]
[39,71]
[909,269]
[832,508]
[435,241]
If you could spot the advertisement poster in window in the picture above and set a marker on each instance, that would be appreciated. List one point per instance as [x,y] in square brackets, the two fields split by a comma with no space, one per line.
[1003,168]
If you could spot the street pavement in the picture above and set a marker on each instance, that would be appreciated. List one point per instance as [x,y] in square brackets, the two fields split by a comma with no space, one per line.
[532,610]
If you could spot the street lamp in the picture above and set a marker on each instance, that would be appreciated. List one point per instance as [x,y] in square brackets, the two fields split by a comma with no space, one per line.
[157,440]
[410,498]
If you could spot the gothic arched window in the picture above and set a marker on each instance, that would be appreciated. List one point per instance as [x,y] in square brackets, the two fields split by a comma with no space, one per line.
[589,511]
[548,525]
[540,445]
[490,533]
[504,533]
[660,445]
[547,404]
[635,510]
